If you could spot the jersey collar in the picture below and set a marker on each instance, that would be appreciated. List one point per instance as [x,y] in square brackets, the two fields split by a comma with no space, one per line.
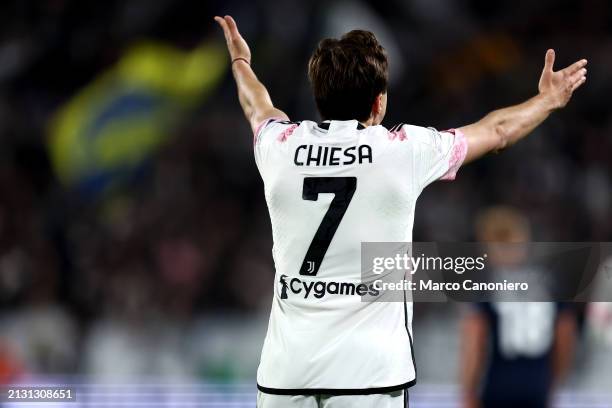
[325,124]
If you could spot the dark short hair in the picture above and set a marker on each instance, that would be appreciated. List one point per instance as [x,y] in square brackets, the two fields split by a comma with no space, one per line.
[347,74]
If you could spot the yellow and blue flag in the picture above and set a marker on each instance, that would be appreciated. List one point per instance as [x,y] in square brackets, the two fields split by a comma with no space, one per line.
[108,129]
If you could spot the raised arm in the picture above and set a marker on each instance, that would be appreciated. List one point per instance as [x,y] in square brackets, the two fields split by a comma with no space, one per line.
[504,127]
[253,95]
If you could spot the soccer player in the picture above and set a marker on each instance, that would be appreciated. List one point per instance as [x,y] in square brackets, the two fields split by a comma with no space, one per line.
[330,186]
[514,354]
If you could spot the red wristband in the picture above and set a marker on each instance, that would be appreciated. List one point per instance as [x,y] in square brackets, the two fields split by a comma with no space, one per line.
[241,59]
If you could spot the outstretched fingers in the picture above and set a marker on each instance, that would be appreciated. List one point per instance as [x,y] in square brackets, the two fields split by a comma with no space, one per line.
[226,30]
[233,27]
[575,67]
[576,76]
[578,83]
[230,29]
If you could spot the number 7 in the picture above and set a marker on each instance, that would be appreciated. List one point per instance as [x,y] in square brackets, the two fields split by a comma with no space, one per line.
[343,189]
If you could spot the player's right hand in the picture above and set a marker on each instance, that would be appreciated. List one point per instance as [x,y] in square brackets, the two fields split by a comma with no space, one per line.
[559,86]
[236,45]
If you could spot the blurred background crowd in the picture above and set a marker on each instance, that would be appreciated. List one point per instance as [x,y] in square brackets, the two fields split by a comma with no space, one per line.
[134,236]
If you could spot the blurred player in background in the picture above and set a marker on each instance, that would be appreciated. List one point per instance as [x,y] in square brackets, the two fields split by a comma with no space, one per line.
[514,353]
[332,185]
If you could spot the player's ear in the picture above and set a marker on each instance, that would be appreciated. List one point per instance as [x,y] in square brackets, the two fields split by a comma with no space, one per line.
[377,106]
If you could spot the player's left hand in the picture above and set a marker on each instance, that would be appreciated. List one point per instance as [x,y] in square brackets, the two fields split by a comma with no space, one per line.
[236,45]
[559,86]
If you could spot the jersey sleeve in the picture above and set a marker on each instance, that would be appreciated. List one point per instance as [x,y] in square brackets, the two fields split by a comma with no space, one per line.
[437,155]
[268,134]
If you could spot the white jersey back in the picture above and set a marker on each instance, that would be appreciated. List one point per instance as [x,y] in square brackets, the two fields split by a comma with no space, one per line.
[329,187]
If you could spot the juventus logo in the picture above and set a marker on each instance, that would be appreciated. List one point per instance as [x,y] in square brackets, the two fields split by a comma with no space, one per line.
[311,266]
[283,282]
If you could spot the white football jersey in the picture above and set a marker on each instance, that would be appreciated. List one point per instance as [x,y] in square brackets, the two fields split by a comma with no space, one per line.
[329,187]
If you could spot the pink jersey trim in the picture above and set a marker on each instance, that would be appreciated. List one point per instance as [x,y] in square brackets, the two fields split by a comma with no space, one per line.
[399,134]
[457,155]
[262,124]
[286,133]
